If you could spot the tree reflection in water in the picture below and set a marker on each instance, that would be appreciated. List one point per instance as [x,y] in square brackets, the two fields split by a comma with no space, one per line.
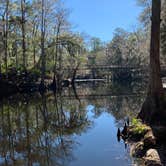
[39,129]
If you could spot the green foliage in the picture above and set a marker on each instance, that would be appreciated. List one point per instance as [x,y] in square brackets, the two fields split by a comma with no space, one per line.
[57,32]
[138,127]
[146,13]
[35,72]
[96,44]
[127,48]
[146,24]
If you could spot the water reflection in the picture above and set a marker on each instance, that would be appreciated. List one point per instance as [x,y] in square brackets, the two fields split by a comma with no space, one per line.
[49,129]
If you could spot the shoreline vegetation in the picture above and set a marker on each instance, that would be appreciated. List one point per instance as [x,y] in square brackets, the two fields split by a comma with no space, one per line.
[26,82]
[29,81]
[146,142]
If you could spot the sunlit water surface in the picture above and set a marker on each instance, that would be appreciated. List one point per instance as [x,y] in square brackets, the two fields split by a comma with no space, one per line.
[73,128]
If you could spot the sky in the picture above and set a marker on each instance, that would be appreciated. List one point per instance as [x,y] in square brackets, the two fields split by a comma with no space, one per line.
[99,18]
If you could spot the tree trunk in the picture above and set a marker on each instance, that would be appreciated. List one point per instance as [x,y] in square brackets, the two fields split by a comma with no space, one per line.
[43,56]
[6,34]
[1,50]
[23,32]
[34,55]
[34,35]
[153,107]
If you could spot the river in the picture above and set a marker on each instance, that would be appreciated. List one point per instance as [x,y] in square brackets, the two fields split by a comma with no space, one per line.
[70,128]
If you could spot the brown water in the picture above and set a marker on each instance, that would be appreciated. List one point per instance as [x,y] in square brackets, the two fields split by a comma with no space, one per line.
[72,128]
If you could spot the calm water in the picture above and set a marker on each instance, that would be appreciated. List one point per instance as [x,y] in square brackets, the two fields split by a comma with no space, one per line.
[72,128]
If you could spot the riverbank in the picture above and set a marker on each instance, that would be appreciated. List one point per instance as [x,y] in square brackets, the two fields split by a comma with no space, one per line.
[15,82]
[27,82]
[147,143]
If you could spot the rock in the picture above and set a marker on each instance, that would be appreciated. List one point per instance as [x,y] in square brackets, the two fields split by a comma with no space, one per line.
[149,139]
[152,158]
[137,149]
